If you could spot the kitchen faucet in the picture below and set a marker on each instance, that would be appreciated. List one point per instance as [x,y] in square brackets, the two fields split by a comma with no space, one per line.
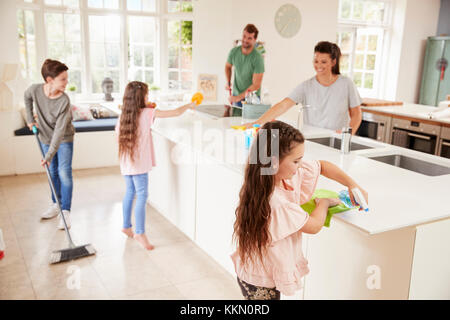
[346,140]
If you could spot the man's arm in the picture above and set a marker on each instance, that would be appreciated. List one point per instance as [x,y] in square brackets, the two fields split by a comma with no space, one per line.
[228,68]
[256,84]
[355,118]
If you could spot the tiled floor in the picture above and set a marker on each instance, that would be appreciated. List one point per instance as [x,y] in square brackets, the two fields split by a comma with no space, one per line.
[121,269]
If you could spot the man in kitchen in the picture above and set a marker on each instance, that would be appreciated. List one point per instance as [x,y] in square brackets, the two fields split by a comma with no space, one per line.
[248,68]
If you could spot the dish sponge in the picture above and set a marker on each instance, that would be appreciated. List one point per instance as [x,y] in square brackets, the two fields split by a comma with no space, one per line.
[323,193]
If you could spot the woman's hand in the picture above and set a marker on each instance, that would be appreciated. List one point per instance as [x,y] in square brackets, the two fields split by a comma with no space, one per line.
[248,125]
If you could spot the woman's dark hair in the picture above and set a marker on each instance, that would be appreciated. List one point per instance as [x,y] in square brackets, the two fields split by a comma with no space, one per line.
[251,228]
[52,68]
[333,50]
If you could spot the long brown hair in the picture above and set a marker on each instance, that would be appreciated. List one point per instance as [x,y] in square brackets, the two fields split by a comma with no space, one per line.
[251,228]
[133,103]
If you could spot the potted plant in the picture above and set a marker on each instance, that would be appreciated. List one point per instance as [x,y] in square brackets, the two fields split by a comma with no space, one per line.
[72,89]
[154,92]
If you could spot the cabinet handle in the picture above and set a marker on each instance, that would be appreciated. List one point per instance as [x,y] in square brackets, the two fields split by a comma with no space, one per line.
[418,136]
[447,144]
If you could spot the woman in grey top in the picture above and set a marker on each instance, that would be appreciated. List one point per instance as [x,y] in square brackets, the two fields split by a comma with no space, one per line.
[56,132]
[332,99]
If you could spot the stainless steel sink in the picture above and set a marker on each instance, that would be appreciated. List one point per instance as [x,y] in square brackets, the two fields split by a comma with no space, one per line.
[336,143]
[420,166]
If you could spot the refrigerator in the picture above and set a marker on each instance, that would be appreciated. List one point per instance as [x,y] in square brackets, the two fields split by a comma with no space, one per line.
[436,74]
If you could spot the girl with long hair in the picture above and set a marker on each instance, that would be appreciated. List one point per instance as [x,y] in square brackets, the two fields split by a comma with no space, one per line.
[269,220]
[136,153]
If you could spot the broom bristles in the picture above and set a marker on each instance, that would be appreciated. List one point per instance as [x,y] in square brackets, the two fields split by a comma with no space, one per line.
[72,253]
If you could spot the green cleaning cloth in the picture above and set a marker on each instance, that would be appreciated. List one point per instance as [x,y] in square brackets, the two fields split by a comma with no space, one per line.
[322,193]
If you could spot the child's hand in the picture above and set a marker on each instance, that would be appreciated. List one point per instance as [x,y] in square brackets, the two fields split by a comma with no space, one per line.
[331,202]
[352,197]
[30,125]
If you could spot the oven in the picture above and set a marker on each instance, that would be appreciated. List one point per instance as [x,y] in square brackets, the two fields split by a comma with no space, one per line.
[444,143]
[415,135]
[375,126]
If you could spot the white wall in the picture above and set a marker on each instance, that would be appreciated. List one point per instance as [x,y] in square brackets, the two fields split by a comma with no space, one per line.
[288,61]
[9,48]
[211,40]
[421,19]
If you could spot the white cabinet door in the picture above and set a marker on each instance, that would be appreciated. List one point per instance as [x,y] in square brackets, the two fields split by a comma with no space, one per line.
[346,263]
[217,198]
[172,184]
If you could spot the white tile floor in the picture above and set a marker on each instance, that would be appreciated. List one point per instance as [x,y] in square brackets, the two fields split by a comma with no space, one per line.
[121,269]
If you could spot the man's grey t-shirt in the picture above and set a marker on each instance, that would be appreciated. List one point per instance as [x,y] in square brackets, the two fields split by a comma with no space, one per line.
[328,106]
[54,117]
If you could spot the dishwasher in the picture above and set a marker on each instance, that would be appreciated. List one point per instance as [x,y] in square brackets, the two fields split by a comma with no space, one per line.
[415,135]
[444,143]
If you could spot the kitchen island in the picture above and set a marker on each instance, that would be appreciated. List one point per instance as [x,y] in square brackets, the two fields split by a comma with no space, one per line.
[399,250]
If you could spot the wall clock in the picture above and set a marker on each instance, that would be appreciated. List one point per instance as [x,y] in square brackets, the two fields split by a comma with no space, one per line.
[288,20]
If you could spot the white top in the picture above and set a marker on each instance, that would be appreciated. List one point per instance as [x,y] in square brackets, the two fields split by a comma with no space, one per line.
[328,105]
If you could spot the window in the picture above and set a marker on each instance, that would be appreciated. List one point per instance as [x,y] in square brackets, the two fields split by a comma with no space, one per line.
[106,4]
[27,44]
[123,40]
[362,30]
[64,43]
[179,5]
[141,5]
[142,49]
[104,33]
[180,54]
[68,3]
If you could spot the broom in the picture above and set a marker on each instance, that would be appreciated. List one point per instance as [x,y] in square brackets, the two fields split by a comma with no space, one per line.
[73,252]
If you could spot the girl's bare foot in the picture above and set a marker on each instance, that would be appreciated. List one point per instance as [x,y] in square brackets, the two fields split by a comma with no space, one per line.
[142,239]
[128,232]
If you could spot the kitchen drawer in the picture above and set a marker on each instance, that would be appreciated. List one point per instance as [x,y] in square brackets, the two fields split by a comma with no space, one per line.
[416,126]
[368,116]
[445,133]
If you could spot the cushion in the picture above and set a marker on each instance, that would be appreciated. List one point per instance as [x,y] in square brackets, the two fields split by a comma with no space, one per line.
[95,125]
[80,126]
[81,113]
[101,112]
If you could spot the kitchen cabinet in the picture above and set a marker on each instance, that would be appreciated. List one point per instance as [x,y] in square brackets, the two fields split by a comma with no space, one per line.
[436,75]
[399,250]
[218,196]
[172,184]
[444,143]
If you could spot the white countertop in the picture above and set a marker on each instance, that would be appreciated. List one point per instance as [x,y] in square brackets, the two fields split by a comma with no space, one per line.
[397,197]
[419,111]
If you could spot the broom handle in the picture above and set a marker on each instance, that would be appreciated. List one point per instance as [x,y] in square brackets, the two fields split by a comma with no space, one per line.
[52,186]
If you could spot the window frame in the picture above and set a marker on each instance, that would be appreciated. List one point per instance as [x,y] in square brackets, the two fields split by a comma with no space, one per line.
[385,28]
[161,17]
